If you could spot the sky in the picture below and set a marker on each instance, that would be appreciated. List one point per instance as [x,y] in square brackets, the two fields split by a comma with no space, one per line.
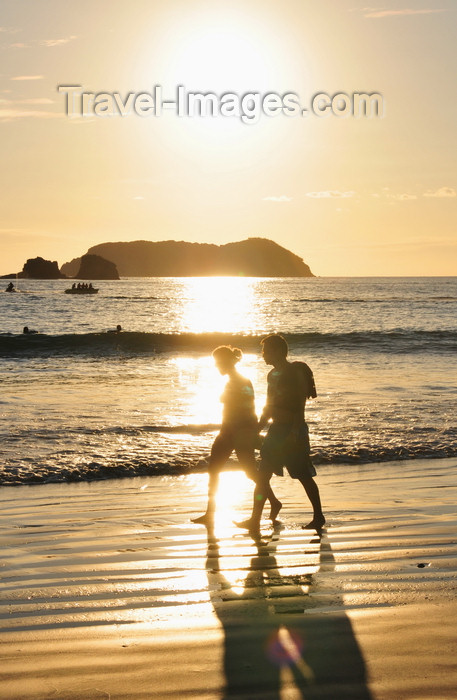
[350,195]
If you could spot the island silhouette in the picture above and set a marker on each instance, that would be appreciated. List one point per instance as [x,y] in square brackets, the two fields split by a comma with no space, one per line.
[90,267]
[254,257]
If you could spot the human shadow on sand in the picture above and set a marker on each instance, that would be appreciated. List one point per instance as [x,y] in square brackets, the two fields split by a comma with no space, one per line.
[271,642]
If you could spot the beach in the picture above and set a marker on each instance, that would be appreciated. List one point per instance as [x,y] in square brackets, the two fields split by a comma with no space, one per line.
[109,591]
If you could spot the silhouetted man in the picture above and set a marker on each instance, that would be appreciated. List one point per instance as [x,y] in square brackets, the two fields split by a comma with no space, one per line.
[287,442]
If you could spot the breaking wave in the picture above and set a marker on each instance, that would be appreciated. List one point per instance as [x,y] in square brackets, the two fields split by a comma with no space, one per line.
[106,344]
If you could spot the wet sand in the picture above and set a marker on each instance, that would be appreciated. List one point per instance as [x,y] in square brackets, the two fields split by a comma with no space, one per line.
[108,590]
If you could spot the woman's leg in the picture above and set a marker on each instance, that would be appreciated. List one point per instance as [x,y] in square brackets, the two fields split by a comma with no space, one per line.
[213,483]
[220,452]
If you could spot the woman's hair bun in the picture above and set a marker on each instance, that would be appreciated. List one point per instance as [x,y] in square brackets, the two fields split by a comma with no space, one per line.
[228,353]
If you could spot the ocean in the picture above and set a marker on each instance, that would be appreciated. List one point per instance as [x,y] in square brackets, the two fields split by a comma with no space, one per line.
[80,403]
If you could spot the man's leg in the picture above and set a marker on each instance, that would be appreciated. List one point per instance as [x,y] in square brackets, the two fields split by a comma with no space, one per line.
[275,504]
[312,491]
[248,460]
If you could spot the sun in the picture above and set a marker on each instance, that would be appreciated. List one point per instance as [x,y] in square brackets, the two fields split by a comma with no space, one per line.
[215,59]
[216,52]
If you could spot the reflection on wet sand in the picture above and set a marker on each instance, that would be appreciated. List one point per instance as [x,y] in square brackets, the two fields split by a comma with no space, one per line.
[273,647]
[109,591]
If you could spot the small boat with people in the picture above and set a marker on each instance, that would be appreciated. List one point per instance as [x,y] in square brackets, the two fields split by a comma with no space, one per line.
[11,288]
[82,288]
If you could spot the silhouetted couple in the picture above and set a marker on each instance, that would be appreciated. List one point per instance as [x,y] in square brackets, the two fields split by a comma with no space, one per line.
[286,443]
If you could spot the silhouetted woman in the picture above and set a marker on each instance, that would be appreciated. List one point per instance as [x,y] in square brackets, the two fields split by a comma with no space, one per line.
[239,430]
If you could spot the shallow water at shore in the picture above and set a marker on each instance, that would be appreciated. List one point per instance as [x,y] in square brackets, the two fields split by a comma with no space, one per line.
[78,403]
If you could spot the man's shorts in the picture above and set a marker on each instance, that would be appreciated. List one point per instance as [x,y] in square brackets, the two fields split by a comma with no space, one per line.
[279,450]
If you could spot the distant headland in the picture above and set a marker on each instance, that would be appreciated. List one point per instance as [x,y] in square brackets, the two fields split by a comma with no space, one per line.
[90,267]
[254,257]
[37,269]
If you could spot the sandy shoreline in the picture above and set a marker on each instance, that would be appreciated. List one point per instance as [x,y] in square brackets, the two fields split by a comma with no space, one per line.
[108,591]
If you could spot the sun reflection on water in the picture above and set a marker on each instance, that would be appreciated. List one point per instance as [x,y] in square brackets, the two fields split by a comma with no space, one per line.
[202,386]
[218,304]
[234,489]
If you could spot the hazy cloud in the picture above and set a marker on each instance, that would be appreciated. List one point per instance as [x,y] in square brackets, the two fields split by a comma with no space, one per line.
[49,43]
[414,243]
[57,42]
[36,101]
[281,198]
[385,194]
[378,13]
[14,113]
[29,233]
[144,180]
[28,77]
[404,197]
[442,192]
[330,194]
[30,101]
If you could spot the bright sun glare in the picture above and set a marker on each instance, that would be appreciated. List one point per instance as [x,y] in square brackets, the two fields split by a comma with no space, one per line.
[234,487]
[202,386]
[217,304]
[213,59]
[214,305]
[218,52]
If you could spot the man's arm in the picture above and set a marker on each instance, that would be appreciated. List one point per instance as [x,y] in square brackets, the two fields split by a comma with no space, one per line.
[299,415]
[267,411]
[264,418]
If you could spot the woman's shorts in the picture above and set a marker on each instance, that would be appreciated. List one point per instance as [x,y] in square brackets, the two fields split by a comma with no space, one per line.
[243,441]
[280,450]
